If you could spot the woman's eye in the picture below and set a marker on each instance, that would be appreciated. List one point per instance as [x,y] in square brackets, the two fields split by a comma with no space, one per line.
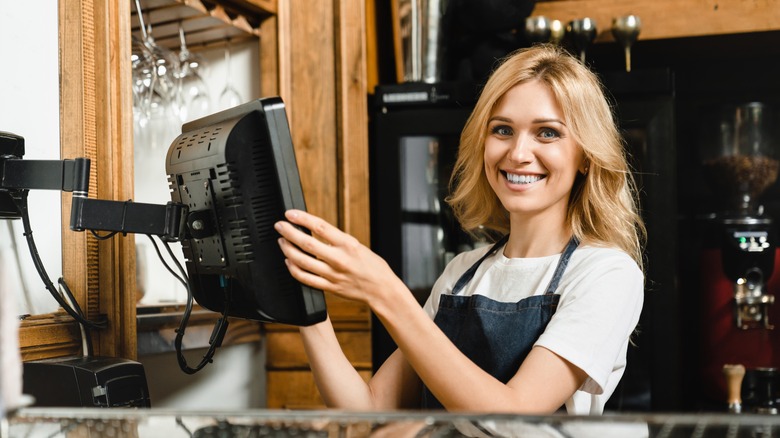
[548,133]
[501,130]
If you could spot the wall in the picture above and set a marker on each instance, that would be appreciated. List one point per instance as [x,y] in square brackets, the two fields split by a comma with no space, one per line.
[29,107]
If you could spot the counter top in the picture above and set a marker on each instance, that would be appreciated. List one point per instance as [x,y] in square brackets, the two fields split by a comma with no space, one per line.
[60,422]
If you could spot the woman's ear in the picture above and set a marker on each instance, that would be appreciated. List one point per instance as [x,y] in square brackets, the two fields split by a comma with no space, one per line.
[584,167]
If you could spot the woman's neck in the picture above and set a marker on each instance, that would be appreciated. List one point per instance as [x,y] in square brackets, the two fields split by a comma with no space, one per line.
[537,236]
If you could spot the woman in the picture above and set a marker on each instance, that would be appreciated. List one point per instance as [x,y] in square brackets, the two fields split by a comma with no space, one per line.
[539,320]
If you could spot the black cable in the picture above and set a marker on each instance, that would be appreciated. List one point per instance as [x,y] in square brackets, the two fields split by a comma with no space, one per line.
[75,310]
[165,263]
[103,237]
[72,299]
[220,327]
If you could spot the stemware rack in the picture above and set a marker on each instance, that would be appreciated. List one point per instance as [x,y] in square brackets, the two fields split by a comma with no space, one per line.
[206,23]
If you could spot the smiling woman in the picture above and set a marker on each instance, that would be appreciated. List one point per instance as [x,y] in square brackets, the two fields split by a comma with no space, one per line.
[527,324]
[531,158]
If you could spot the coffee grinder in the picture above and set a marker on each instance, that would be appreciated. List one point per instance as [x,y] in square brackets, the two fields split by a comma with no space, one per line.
[740,162]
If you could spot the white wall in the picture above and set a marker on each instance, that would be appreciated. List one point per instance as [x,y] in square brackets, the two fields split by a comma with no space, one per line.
[29,107]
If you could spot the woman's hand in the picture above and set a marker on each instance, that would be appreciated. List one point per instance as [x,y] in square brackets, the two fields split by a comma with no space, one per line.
[332,260]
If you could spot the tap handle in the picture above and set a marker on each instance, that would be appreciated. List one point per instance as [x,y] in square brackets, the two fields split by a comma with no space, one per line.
[734,375]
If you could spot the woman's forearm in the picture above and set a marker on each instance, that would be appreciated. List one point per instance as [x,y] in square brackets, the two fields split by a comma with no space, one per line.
[339,384]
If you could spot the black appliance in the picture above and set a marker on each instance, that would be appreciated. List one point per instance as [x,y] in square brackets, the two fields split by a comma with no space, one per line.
[739,253]
[415,130]
[103,382]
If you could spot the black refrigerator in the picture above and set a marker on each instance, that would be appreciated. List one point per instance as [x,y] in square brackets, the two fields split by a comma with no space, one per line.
[414,133]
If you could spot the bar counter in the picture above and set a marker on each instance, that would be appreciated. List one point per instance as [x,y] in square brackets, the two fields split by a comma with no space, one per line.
[93,422]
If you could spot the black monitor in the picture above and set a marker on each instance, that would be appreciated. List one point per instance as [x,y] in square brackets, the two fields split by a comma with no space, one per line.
[236,172]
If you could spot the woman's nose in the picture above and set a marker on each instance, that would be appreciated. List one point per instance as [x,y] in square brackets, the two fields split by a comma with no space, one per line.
[522,150]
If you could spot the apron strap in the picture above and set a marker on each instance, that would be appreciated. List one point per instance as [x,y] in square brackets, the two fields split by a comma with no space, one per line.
[562,264]
[469,274]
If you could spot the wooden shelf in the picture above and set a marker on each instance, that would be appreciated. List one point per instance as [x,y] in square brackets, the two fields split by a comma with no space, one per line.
[205,23]
[664,19]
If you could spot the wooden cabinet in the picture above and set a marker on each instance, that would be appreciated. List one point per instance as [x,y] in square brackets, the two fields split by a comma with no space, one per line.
[320,61]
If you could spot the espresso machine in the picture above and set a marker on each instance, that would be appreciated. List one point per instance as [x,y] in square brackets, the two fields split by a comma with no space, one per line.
[738,311]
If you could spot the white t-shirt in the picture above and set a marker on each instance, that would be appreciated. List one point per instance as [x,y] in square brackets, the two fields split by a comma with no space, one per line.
[602,292]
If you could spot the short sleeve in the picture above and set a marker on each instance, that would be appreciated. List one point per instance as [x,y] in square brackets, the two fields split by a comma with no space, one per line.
[599,309]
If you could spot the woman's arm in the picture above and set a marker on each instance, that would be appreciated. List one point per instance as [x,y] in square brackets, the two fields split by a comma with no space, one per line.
[338,263]
[394,386]
[542,384]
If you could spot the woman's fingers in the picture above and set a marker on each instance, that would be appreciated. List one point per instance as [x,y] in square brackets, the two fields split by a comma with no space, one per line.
[301,259]
[309,259]
[318,226]
[306,277]
[328,259]
[303,240]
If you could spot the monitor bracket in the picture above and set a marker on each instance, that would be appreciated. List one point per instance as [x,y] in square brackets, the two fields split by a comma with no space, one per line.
[72,175]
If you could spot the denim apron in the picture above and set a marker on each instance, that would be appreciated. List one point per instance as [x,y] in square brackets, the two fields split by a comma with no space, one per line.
[494,335]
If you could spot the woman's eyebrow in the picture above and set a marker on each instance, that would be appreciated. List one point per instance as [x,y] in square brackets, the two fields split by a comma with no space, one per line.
[558,121]
[499,119]
[535,121]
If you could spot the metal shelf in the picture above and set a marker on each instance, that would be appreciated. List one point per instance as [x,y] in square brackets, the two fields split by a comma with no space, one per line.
[205,23]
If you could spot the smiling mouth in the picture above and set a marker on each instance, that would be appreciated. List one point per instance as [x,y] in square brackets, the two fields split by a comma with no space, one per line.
[522,179]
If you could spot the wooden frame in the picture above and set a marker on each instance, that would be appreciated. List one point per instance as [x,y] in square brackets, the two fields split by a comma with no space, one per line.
[94,100]
[318,66]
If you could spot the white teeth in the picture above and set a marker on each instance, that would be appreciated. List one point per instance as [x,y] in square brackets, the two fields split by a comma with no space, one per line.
[522,179]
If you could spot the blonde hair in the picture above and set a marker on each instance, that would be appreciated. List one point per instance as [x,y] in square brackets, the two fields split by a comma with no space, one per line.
[603,206]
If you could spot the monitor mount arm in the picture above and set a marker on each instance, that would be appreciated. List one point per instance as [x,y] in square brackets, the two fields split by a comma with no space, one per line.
[171,222]
[17,176]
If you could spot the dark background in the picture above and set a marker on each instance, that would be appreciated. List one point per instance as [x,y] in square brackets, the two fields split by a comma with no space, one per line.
[661,106]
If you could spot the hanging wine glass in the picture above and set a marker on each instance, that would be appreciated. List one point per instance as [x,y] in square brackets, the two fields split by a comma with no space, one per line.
[142,76]
[537,29]
[166,66]
[163,87]
[193,96]
[166,62]
[229,96]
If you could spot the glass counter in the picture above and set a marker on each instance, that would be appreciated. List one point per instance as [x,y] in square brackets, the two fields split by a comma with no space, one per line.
[74,422]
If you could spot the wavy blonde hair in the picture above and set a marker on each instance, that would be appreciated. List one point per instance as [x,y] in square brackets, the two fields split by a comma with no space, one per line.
[603,206]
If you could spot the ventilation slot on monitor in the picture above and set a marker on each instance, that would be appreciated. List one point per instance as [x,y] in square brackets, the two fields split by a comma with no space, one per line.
[265,202]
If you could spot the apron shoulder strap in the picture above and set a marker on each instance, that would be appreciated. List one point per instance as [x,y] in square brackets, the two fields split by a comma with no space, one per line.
[562,264]
[469,274]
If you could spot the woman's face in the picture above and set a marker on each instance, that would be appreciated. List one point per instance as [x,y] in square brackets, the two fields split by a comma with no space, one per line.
[531,159]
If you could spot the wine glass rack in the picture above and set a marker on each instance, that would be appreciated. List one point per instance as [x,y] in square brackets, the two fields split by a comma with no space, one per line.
[206,23]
